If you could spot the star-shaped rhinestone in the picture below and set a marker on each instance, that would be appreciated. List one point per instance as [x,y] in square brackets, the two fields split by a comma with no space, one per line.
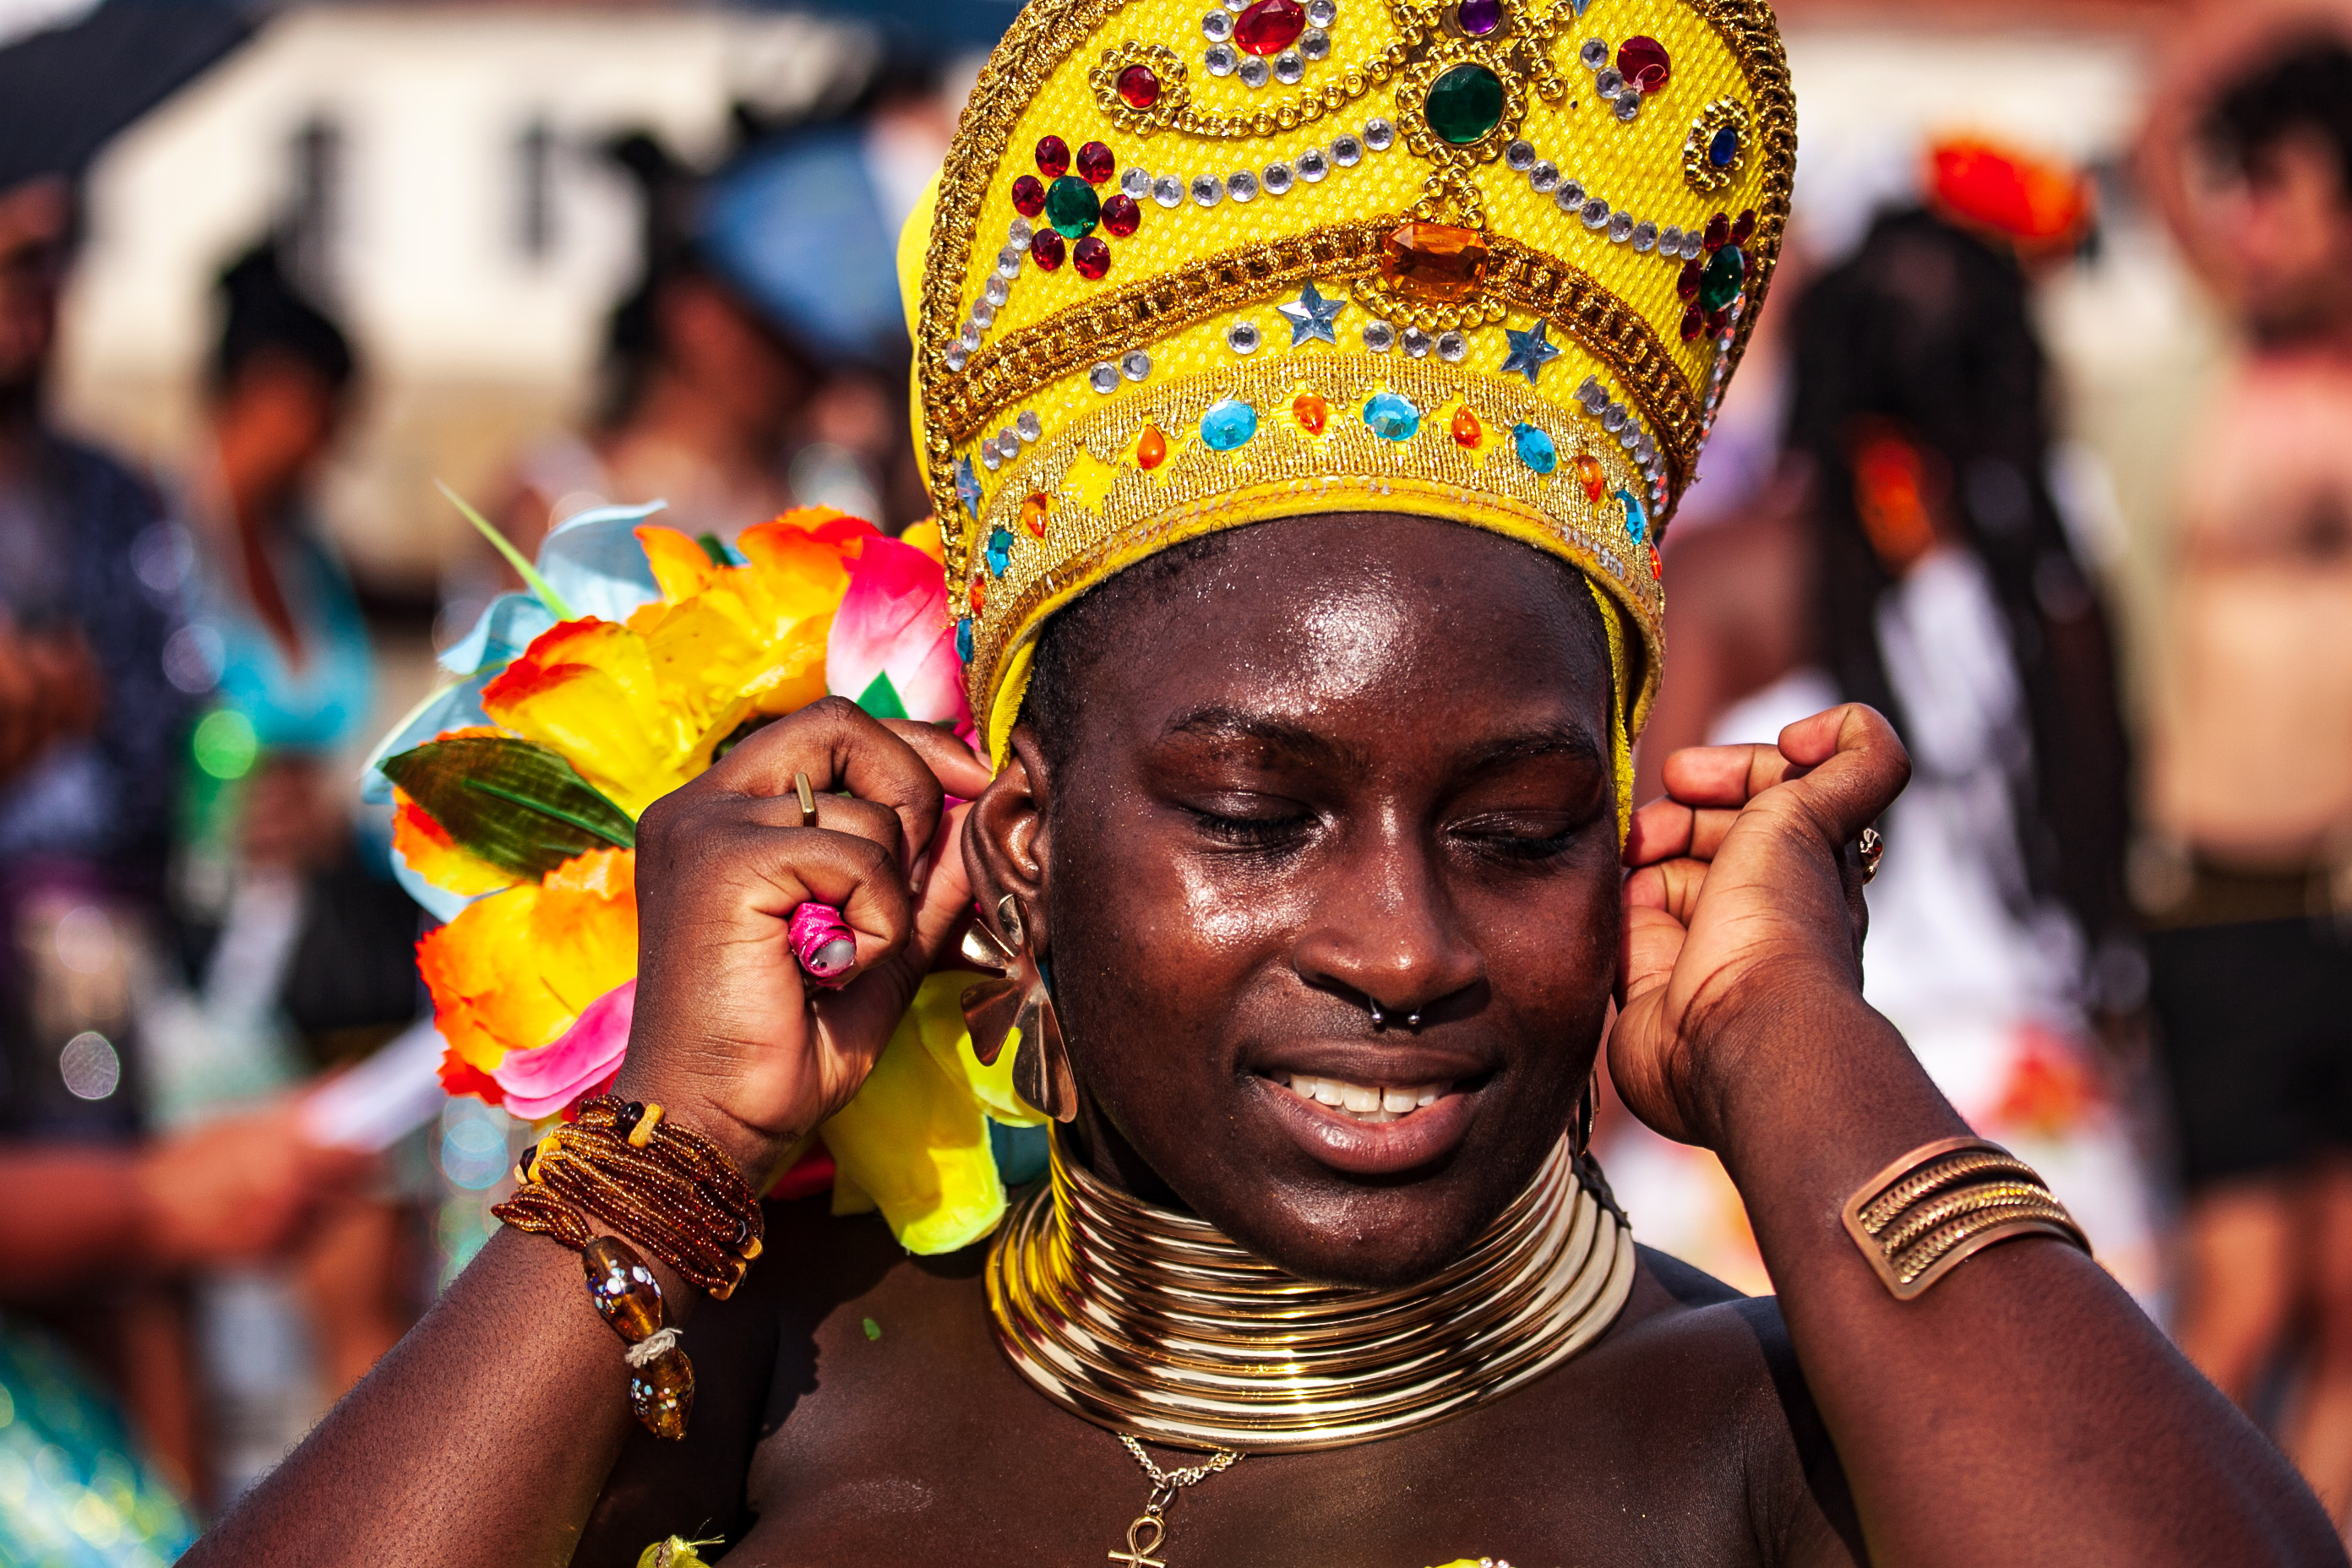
[1311,317]
[967,485]
[1530,351]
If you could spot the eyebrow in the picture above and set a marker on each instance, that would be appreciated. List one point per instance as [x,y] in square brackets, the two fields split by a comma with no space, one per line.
[1297,741]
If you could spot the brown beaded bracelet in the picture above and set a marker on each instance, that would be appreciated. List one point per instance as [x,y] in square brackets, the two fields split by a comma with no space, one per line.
[1942,1204]
[629,1170]
[661,1380]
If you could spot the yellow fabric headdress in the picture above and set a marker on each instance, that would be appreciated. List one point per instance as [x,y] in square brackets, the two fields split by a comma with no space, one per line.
[1194,265]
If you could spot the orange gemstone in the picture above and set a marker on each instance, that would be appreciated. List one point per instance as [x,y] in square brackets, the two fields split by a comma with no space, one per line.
[1467,431]
[1152,450]
[1311,411]
[1657,566]
[1033,513]
[1435,262]
[1595,477]
[979,594]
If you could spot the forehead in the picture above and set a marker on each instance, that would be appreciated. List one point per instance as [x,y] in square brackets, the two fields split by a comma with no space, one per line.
[1345,619]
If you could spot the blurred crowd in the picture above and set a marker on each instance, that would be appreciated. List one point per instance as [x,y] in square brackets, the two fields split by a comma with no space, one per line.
[2116,924]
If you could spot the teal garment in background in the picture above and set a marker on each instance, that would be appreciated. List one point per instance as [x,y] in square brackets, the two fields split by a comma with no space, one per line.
[325,705]
[74,1494]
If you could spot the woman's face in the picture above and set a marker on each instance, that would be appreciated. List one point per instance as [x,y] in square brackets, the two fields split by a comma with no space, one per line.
[1347,761]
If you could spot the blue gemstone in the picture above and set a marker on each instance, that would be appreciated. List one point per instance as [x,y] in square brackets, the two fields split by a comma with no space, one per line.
[1637,521]
[999,554]
[1724,150]
[1536,448]
[963,639]
[1392,416]
[1228,424]
[967,485]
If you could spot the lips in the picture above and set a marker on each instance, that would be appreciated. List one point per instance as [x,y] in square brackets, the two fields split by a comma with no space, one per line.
[1372,1126]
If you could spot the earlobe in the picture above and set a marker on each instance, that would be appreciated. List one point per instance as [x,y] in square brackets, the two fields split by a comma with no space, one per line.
[1006,842]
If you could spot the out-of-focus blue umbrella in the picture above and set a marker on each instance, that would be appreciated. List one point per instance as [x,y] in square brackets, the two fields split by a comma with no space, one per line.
[65,92]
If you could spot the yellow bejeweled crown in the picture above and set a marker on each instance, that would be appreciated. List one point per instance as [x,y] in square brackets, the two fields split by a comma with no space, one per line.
[1192,265]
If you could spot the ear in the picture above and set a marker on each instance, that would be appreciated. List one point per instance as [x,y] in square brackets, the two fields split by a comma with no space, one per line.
[1006,846]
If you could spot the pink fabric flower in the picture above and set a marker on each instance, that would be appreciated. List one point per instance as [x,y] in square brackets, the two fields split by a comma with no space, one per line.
[894,622]
[581,1063]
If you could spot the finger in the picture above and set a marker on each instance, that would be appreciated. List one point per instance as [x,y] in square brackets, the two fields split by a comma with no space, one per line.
[1853,766]
[840,746]
[1723,775]
[835,814]
[961,771]
[1666,829]
[1648,949]
[1672,888]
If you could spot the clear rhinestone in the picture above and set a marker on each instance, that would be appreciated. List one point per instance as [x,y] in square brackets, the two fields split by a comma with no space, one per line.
[1135,364]
[970,337]
[1612,418]
[1026,426]
[1347,149]
[1288,68]
[1596,214]
[1135,180]
[1276,179]
[1256,72]
[1452,347]
[957,356]
[1315,44]
[1417,343]
[1591,393]
[1218,25]
[1646,449]
[1237,5]
[987,457]
[1208,190]
[1693,243]
[1008,261]
[1594,54]
[1104,378]
[1629,436]
[1629,104]
[1019,232]
[984,315]
[1242,338]
[1609,83]
[1570,196]
[1379,136]
[1670,240]
[1321,12]
[1378,337]
[1313,164]
[1545,178]
[1168,191]
[1620,226]
[1520,157]
[1220,60]
[1242,185]
[998,290]
[1645,237]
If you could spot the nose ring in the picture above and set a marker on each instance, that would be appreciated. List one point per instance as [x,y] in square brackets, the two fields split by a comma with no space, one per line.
[1380,1019]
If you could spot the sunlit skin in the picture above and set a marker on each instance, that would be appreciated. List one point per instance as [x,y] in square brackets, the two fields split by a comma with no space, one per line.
[1347,758]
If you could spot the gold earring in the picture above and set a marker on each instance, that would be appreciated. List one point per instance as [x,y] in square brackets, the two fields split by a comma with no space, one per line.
[1017,1007]
[1586,1110]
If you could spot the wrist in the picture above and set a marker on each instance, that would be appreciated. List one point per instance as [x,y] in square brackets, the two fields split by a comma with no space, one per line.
[752,1150]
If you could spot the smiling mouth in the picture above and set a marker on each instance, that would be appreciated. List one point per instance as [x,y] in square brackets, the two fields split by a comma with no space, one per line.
[1371,1104]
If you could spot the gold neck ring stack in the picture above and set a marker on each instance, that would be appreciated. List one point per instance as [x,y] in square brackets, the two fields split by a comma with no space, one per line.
[1151,1323]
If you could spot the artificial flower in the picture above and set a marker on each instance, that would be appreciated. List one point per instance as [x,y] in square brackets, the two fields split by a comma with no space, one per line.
[892,646]
[426,848]
[517,969]
[580,1065]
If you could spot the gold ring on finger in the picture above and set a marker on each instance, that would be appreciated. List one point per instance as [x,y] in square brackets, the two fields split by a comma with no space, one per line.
[808,799]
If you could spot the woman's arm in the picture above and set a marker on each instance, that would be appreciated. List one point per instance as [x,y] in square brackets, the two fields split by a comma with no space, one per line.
[2023,1410]
[485,1439]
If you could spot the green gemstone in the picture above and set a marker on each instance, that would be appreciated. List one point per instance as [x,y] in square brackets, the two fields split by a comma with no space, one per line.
[1071,207]
[1720,285]
[1464,104]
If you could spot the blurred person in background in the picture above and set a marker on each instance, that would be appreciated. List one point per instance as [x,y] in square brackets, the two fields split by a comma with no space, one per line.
[92,729]
[2247,879]
[1915,557]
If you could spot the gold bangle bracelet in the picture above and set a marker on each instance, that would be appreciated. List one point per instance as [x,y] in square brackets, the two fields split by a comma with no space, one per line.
[1937,1206]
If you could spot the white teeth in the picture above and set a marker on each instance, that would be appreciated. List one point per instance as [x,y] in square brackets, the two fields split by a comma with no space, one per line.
[1366,1102]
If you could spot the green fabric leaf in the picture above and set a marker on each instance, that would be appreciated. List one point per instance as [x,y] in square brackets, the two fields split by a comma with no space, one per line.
[555,603]
[881,698]
[518,805]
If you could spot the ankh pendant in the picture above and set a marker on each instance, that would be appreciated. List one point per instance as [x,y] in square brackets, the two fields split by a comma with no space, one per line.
[1139,1554]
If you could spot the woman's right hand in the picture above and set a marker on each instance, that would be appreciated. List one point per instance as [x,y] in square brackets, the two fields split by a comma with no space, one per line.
[729,1035]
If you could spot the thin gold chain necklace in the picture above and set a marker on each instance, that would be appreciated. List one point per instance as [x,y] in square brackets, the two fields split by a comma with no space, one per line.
[1154,1325]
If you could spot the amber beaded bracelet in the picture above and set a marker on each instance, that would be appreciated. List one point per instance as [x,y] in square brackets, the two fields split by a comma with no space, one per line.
[628,1169]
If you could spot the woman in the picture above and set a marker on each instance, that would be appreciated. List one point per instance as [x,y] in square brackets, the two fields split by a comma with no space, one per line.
[1323,809]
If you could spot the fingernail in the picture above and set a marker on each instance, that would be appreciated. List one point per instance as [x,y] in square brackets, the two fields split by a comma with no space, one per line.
[922,869]
[823,944]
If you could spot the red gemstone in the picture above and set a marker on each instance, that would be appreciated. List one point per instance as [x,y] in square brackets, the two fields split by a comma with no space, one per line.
[1140,84]
[1718,320]
[1121,215]
[1745,229]
[1270,26]
[1693,323]
[1091,257]
[1095,163]
[1644,63]
[1657,566]
[1045,248]
[1719,232]
[1028,195]
[1687,284]
[1053,157]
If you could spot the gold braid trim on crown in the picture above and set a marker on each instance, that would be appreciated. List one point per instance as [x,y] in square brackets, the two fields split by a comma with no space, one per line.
[1062,407]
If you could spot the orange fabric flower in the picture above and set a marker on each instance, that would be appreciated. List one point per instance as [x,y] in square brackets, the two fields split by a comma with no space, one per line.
[516,969]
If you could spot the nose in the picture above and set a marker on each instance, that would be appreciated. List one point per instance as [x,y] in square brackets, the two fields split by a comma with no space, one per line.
[1384,931]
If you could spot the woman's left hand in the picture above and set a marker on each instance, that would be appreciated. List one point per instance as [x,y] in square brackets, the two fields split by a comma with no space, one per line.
[1744,903]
